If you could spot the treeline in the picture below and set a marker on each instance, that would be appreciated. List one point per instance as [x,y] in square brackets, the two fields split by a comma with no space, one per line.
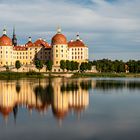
[73,65]
[118,66]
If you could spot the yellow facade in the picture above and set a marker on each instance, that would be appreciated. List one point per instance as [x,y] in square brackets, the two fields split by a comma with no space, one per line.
[26,54]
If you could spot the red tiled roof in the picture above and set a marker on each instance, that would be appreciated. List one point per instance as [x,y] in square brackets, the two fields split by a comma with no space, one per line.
[59,39]
[29,44]
[77,43]
[41,42]
[5,41]
[20,48]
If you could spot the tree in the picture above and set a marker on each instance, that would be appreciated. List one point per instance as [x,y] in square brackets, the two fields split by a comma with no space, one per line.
[68,65]
[72,65]
[63,64]
[38,64]
[89,65]
[17,64]
[83,66]
[49,64]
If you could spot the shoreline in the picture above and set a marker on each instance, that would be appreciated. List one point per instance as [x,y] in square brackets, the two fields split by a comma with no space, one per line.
[19,75]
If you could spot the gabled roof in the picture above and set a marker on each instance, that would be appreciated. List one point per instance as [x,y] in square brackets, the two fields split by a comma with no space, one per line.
[38,43]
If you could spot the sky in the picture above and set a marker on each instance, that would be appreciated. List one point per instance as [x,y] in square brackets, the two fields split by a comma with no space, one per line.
[110,28]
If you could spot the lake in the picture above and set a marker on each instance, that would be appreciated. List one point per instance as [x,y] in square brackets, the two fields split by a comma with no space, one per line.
[70,109]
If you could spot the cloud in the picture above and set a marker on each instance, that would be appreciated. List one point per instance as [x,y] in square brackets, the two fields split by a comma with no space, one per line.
[104,25]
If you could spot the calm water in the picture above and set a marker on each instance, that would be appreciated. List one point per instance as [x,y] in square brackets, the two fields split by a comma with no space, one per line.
[78,109]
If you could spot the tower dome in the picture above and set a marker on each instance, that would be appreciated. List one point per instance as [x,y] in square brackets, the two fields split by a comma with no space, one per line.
[59,38]
[5,40]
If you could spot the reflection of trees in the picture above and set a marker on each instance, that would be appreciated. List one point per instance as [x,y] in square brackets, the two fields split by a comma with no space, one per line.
[48,92]
[69,87]
[86,85]
[74,86]
[116,84]
[18,87]
[44,94]
[39,92]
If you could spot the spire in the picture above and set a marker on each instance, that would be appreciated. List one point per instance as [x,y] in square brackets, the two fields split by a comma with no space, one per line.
[4,31]
[59,30]
[30,39]
[14,39]
[78,37]
[13,30]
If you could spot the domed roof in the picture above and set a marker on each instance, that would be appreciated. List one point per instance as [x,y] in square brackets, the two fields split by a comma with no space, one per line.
[5,41]
[59,38]
[77,43]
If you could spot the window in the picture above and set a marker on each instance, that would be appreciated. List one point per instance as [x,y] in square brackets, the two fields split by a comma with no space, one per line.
[61,50]
[61,46]
[56,55]
[56,62]
[56,50]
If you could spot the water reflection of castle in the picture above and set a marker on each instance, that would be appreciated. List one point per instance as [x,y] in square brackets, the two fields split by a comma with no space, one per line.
[61,95]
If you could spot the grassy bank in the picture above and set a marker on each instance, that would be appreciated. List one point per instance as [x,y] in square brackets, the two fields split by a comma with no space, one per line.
[77,75]
[18,75]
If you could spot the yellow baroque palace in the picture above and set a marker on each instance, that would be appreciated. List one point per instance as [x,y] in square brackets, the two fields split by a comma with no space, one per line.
[59,49]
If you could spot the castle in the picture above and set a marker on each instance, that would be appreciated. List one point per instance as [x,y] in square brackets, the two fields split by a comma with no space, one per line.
[59,49]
